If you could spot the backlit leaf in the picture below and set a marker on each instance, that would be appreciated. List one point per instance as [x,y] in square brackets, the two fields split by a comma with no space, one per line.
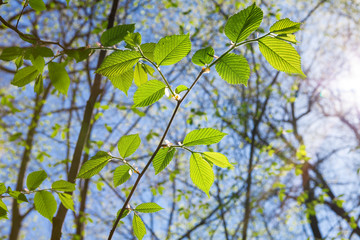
[59,77]
[285,26]
[139,227]
[25,76]
[116,34]
[128,144]
[140,75]
[62,185]
[10,53]
[204,136]
[45,204]
[148,50]
[203,56]
[172,49]
[34,179]
[242,24]
[201,173]
[149,93]
[148,208]
[37,5]
[67,201]
[121,174]
[94,165]
[123,81]
[217,158]
[234,69]
[162,159]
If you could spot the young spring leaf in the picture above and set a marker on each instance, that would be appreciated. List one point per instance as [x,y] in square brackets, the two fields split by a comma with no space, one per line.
[203,56]
[79,54]
[2,188]
[242,24]
[121,175]
[285,26]
[20,197]
[125,213]
[39,85]
[3,210]
[116,34]
[10,53]
[204,136]
[148,208]
[62,185]
[39,63]
[149,93]
[118,62]
[25,76]
[148,50]
[59,77]
[172,49]
[181,88]
[133,39]
[287,37]
[34,179]
[139,227]
[140,75]
[162,159]
[94,165]
[123,81]
[45,204]
[34,52]
[67,201]
[281,55]
[37,5]
[128,144]
[233,68]
[218,159]
[201,173]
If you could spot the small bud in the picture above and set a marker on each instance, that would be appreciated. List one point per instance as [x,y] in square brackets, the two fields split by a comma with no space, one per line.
[26,190]
[180,144]
[167,92]
[168,143]
[177,97]
[206,69]
[99,44]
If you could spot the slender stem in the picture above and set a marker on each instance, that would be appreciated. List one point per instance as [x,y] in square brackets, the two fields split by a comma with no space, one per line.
[22,11]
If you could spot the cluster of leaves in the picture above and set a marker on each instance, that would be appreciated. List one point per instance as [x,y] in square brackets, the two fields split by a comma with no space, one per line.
[138,62]
[44,200]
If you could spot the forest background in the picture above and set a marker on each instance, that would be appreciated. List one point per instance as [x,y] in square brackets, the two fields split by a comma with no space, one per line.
[294,142]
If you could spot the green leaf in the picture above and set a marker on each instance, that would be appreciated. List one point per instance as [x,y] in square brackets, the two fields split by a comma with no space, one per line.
[19,62]
[39,85]
[128,144]
[123,81]
[172,49]
[149,93]
[285,26]
[133,39]
[37,5]
[201,173]
[34,52]
[34,179]
[118,62]
[218,159]
[125,213]
[2,188]
[233,68]
[149,70]
[11,53]
[139,227]
[148,50]
[45,204]
[3,210]
[94,165]
[121,174]
[79,54]
[39,63]
[59,77]
[116,34]
[242,24]
[148,208]
[140,75]
[62,185]
[181,88]
[287,37]
[20,197]
[25,76]
[67,201]
[204,136]
[162,159]
[203,56]
[281,55]
[29,38]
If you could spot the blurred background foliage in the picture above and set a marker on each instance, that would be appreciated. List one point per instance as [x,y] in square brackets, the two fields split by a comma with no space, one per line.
[294,142]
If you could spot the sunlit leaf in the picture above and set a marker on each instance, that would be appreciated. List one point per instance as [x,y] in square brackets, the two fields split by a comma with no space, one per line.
[149,93]
[94,165]
[140,75]
[281,55]
[285,26]
[201,173]
[128,144]
[203,56]
[67,201]
[204,136]
[116,34]
[162,159]
[139,227]
[10,53]
[123,81]
[62,185]
[25,76]
[242,24]
[121,174]
[34,179]
[148,208]
[234,69]
[218,159]
[45,204]
[59,77]
[172,49]
[37,5]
